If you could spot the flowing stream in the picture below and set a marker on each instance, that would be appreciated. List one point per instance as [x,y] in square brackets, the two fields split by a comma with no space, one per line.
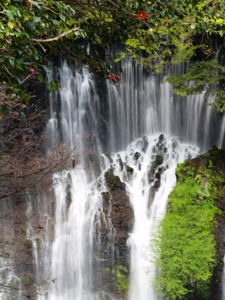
[117,127]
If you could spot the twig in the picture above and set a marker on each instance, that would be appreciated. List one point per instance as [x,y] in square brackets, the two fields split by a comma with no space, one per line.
[56,38]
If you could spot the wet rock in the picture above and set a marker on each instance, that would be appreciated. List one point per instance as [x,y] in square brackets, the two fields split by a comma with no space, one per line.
[116,207]
[158,160]
[137,155]
[151,175]
[157,184]
[145,144]
[165,149]
[113,181]
[158,175]
[120,162]
[174,144]
[117,223]
[111,248]
[68,193]
[92,161]
[161,138]
[16,250]
[151,195]
[130,170]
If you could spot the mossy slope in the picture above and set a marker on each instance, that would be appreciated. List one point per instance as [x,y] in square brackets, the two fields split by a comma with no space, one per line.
[186,240]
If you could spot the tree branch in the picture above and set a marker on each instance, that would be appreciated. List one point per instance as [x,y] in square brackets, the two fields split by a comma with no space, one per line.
[56,38]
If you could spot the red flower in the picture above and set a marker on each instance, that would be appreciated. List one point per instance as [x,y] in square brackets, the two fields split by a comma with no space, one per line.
[142,15]
[96,67]
[31,70]
[111,77]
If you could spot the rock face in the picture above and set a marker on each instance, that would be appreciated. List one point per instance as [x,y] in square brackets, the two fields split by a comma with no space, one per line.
[116,225]
[218,158]
[156,170]
[16,267]
[117,206]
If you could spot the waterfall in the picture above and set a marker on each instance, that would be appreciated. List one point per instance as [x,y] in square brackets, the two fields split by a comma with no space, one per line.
[148,210]
[125,129]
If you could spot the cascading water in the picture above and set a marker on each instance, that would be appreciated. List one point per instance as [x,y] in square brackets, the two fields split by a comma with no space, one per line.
[145,122]
[141,155]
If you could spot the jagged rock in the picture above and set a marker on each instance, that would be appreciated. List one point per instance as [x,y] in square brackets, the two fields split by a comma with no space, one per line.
[158,160]
[16,249]
[114,181]
[145,144]
[130,170]
[137,155]
[116,204]
[120,162]
[117,223]
[151,195]
[151,174]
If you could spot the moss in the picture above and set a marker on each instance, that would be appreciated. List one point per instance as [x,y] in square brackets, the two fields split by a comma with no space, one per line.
[130,169]
[185,239]
[26,279]
[111,179]
[28,243]
[158,160]
[121,283]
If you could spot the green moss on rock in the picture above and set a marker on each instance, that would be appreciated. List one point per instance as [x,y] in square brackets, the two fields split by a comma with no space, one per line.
[121,283]
[130,170]
[26,279]
[113,181]
[185,240]
[158,160]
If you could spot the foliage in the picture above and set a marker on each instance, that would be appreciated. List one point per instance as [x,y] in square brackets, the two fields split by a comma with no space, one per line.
[24,26]
[199,76]
[168,31]
[121,280]
[26,280]
[185,245]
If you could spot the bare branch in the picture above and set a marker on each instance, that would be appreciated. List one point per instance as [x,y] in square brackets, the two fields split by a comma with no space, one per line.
[56,38]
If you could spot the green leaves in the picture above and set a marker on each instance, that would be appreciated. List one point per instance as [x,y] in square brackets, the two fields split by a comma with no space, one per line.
[13,12]
[173,31]
[199,76]
[19,26]
[185,245]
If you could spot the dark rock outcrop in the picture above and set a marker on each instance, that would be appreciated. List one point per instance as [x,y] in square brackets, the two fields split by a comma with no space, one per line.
[117,223]
[16,270]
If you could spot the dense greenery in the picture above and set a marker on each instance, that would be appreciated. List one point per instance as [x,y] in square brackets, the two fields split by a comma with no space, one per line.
[185,245]
[164,31]
[201,74]
[121,274]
